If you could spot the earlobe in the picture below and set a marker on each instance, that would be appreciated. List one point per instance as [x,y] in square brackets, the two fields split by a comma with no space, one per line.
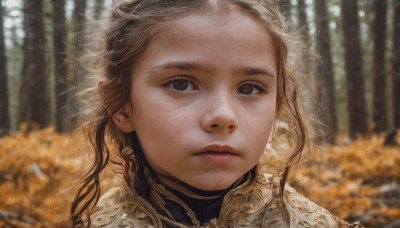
[122,118]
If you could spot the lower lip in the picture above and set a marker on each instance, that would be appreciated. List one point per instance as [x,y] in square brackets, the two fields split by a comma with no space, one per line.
[217,157]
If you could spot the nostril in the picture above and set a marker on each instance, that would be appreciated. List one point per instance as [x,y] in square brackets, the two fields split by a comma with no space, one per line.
[214,126]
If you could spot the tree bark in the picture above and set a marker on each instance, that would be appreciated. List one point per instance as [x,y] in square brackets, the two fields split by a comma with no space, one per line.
[302,24]
[61,67]
[24,88]
[98,8]
[396,64]
[79,15]
[325,71]
[4,108]
[285,8]
[302,19]
[354,71]
[379,113]
[34,100]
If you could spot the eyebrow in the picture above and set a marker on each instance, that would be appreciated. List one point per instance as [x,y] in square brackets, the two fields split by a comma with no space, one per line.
[255,71]
[189,66]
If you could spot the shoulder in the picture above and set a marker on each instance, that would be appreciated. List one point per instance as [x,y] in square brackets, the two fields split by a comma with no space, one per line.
[117,208]
[304,213]
[298,211]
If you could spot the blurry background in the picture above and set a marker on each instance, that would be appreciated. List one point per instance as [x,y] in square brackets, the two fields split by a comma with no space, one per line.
[356,175]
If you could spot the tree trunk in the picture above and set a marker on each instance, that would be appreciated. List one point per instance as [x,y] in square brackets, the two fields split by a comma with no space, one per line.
[79,15]
[98,9]
[4,108]
[61,67]
[302,19]
[285,8]
[396,64]
[379,114]
[24,88]
[34,105]
[79,20]
[354,70]
[325,71]
[302,24]
[79,29]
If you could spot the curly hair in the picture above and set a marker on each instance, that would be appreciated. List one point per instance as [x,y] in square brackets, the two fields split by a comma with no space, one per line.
[124,37]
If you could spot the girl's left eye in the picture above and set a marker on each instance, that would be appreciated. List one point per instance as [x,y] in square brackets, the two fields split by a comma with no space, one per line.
[250,89]
[181,85]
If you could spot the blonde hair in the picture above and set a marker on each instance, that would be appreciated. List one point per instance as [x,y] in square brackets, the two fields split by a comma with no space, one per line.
[126,35]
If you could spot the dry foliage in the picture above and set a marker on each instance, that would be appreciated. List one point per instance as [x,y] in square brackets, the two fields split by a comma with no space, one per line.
[33,167]
[357,180]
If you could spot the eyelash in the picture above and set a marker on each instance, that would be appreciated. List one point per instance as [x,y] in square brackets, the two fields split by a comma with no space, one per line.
[170,84]
[255,85]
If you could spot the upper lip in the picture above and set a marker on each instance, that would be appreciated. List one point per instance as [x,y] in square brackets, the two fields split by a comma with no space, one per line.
[218,148]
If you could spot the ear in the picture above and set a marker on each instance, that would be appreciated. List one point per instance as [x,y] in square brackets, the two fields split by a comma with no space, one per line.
[122,118]
[101,86]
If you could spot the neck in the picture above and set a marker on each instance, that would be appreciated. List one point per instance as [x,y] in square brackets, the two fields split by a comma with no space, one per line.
[192,192]
[180,202]
[206,205]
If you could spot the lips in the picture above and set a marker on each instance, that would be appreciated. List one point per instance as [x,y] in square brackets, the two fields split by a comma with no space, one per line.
[217,155]
[218,150]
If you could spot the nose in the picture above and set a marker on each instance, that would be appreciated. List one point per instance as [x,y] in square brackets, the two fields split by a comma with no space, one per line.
[220,115]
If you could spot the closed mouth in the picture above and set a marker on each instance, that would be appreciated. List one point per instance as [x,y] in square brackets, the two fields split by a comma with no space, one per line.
[216,149]
[216,153]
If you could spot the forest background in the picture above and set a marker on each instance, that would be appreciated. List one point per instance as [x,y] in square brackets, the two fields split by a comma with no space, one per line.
[355,174]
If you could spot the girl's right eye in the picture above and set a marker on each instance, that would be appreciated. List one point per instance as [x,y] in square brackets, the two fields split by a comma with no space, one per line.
[181,85]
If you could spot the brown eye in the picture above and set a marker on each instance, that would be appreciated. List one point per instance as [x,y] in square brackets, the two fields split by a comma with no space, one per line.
[246,89]
[181,85]
[252,88]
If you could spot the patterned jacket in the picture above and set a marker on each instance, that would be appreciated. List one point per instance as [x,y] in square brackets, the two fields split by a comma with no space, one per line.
[253,203]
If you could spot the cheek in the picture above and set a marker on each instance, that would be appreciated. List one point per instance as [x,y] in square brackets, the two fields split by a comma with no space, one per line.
[160,126]
[261,115]
[258,128]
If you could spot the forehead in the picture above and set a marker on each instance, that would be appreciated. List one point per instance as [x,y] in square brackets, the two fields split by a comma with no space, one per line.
[211,32]
[219,15]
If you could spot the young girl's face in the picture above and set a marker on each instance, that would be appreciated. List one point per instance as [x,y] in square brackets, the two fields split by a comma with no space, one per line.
[203,97]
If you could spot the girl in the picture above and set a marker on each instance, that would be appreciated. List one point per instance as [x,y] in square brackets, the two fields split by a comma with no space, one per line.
[190,92]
